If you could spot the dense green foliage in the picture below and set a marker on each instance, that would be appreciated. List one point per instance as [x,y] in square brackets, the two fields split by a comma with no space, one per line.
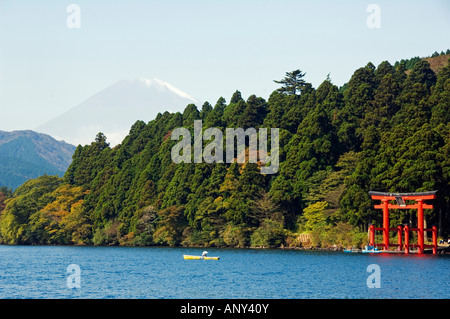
[408,64]
[386,130]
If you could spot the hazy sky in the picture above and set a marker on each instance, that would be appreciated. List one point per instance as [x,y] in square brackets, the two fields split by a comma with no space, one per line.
[205,48]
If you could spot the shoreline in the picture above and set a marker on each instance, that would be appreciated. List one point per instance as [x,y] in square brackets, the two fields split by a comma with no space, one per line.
[442,250]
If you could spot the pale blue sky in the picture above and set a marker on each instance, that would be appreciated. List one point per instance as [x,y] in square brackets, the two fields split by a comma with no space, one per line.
[205,48]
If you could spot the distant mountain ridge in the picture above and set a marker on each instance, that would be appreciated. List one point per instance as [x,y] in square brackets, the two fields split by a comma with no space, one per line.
[115,109]
[28,154]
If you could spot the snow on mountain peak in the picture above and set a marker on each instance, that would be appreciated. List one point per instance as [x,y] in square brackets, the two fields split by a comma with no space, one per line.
[161,85]
[114,109]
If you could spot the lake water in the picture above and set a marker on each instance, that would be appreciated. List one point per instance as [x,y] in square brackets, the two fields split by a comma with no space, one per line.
[155,272]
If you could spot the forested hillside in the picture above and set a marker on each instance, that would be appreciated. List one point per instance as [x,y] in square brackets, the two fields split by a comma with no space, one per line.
[386,130]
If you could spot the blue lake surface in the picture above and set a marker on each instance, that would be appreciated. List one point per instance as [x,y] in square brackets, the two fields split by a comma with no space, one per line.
[156,272]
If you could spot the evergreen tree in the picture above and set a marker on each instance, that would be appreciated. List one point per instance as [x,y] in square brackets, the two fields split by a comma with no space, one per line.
[292,83]
[358,101]
[190,114]
[206,109]
[253,114]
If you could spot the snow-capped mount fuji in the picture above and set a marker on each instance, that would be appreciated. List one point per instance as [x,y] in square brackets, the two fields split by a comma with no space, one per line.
[115,109]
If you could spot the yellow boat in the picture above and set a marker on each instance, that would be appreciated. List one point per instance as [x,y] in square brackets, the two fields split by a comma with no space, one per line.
[190,257]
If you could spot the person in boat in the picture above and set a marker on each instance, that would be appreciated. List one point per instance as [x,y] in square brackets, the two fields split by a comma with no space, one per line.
[204,254]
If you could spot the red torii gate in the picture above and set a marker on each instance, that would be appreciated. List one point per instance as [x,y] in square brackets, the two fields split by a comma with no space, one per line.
[400,198]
